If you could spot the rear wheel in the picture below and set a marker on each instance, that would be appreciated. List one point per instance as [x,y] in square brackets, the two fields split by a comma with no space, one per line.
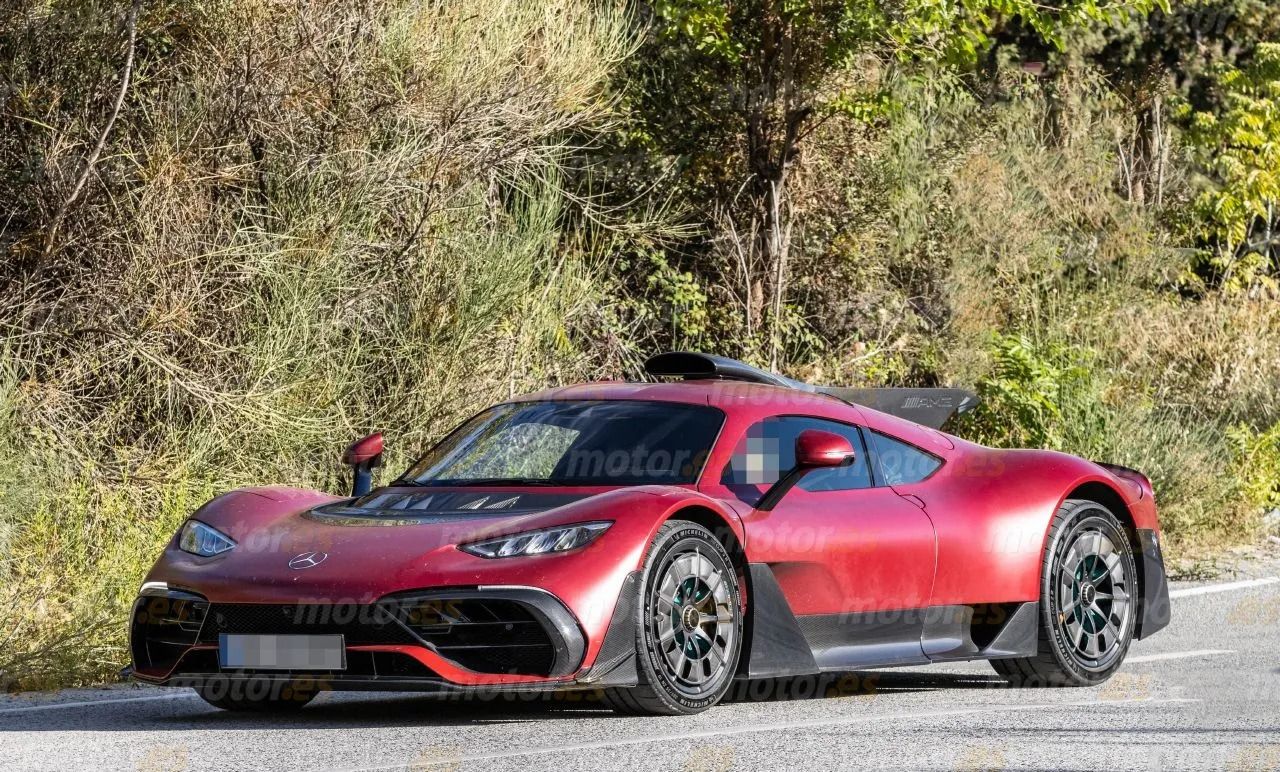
[689,630]
[256,695]
[1087,598]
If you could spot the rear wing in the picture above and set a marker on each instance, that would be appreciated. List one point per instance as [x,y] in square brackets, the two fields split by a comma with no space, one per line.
[927,407]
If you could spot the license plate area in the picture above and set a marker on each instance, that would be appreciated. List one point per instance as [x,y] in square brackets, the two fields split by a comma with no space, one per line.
[281,652]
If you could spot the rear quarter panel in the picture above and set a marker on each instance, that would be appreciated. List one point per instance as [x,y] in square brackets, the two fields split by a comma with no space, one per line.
[992,510]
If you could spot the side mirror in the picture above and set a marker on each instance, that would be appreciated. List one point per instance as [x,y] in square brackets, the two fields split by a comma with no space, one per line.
[815,449]
[363,456]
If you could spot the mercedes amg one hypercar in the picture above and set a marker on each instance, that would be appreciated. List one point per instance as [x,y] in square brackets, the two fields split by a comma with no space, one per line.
[656,542]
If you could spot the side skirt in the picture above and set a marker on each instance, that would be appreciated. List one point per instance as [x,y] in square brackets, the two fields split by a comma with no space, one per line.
[780,644]
[984,631]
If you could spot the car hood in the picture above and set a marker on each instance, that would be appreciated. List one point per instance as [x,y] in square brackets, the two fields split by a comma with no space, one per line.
[394,538]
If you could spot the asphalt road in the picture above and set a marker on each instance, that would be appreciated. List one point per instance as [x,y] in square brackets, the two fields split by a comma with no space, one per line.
[1203,694]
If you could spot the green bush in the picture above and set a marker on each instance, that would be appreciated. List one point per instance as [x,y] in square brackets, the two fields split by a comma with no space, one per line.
[1257,464]
[1211,482]
[1022,399]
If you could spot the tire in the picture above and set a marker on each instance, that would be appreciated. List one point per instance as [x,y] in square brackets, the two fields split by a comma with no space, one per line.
[1087,560]
[256,696]
[688,627]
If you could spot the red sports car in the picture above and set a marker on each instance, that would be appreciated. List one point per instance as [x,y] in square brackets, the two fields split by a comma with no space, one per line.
[656,542]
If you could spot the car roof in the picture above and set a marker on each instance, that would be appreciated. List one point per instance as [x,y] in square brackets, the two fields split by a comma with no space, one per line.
[752,401]
[727,395]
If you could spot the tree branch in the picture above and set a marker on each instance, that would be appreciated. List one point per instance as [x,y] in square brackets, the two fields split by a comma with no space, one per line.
[125,78]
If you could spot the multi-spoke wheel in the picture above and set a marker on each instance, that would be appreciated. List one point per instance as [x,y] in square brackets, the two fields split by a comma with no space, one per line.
[1086,598]
[694,620]
[1093,598]
[689,626]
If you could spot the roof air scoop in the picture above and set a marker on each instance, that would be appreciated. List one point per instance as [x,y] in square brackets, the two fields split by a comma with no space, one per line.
[696,367]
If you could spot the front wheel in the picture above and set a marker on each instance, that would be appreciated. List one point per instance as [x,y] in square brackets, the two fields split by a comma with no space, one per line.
[1087,592]
[689,630]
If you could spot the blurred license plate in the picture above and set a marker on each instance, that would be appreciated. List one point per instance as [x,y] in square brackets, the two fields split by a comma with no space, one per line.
[282,652]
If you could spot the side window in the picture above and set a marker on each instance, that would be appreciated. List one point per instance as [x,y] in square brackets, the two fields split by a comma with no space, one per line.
[899,462]
[768,450]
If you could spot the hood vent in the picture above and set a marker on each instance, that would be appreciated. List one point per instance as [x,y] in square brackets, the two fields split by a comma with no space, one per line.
[398,508]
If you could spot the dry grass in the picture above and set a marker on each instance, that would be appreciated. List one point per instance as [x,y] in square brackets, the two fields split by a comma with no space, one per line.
[311,220]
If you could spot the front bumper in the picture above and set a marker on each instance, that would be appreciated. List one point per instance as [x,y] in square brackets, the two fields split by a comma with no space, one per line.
[440,640]
[460,636]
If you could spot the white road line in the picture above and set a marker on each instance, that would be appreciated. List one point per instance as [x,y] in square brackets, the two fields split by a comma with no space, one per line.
[781,726]
[1177,655]
[1209,589]
[96,703]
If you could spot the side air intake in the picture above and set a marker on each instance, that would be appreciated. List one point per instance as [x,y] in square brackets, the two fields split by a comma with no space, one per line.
[928,407]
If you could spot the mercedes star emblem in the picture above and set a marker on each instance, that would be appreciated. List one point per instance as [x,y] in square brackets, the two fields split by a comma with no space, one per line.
[307,560]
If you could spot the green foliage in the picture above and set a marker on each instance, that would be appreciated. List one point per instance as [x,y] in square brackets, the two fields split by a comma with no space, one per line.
[958,33]
[1022,396]
[684,299]
[1257,464]
[836,30]
[1238,212]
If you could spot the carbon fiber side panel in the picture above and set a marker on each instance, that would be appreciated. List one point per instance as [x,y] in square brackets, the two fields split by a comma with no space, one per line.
[776,647]
[615,665]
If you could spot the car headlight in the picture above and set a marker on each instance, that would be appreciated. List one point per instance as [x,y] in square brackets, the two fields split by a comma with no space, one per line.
[205,541]
[559,539]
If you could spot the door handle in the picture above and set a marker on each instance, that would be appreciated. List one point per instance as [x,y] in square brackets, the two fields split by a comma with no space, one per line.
[914,499]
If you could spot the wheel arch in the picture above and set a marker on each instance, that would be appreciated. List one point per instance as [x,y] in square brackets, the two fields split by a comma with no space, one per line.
[1101,493]
[719,526]
[1108,496]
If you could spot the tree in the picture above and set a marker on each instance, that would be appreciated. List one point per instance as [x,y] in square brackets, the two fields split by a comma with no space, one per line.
[762,75]
[1237,214]
[1174,51]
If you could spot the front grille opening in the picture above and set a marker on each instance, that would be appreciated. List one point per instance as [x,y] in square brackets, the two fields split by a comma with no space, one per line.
[162,629]
[357,624]
[484,635]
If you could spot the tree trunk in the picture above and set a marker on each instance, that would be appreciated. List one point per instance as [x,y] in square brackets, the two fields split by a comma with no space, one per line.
[777,245]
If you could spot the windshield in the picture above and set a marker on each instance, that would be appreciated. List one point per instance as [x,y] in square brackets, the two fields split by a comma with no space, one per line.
[574,443]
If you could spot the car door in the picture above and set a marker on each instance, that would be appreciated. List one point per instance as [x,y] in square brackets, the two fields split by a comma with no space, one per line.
[853,559]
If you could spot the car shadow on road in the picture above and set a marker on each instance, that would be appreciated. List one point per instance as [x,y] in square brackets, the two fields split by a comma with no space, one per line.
[342,711]
[877,682]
